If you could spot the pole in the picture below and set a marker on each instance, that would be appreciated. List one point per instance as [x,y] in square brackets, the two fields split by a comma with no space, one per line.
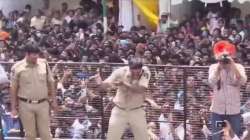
[22,134]
[169,11]
[1,115]
[102,107]
[1,128]
[185,101]
[105,19]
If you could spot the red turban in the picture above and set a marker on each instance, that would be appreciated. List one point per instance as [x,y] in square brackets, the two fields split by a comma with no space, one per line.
[224,46]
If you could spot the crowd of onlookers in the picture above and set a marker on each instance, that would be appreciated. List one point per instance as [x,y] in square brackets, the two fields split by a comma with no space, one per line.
[76,35]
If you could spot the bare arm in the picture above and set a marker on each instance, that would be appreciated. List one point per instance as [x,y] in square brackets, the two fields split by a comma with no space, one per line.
[13,91]
[50,83]
[66,75]
[152,103]
[51,88]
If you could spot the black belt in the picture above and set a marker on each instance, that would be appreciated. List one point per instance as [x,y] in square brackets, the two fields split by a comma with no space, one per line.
[32,101]
[130,109]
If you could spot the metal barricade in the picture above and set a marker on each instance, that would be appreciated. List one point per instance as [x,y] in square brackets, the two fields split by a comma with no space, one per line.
[181,90]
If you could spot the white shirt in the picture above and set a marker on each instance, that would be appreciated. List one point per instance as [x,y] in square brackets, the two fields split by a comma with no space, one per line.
[68,19]
[3,76]
[165,129]
[78,129]
[38,23]
[236,137]
[55,21]
[242,34]
[226,100]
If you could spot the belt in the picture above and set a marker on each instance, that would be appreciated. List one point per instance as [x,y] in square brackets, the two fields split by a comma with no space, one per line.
[126,109]
[32,101]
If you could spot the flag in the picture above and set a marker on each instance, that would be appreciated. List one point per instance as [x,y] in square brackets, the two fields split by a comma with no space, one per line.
[149,9]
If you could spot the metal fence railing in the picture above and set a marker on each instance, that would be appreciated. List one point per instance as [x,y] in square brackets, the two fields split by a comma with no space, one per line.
[182,91]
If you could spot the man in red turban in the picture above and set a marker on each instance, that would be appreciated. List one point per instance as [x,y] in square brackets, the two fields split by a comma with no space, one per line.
[226,77]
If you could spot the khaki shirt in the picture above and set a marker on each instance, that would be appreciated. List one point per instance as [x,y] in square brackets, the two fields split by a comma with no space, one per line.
[227,99]
[32,81]
[125,97]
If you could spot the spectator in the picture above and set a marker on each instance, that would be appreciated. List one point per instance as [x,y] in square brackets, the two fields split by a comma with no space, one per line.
[56,20]
[165,121]
[1,19]
[38,21]
[166,23]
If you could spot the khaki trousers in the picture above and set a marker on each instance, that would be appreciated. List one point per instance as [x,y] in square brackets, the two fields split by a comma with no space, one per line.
[35,117]
[120,119]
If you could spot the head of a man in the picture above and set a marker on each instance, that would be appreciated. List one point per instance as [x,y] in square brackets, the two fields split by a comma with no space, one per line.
[224,51]
[164,17]
[64,6]
[39,13]
[32,52]
[135,66]
[28,8]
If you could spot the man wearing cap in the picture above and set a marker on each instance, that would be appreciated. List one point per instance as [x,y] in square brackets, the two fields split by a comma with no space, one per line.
[32,88]
[226,77]
[131,83]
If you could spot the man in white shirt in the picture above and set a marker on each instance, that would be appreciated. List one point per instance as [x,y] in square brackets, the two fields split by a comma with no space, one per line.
[78,129]
[226,78]
[165,123]
[38,21]
[166,23]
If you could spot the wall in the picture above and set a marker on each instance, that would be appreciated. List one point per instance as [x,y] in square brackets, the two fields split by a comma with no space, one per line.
[9,5]
[244,7]
[177,11]
[181,10]
[56,4]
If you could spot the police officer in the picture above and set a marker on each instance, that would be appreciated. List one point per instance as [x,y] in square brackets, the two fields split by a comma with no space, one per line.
[32,89]
[131,82]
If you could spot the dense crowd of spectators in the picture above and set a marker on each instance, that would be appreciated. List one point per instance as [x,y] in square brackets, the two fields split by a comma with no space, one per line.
[76,35]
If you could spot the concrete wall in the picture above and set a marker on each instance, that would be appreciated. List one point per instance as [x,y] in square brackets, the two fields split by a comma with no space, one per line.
[9,5]
[244,8]
[56,4]
[177,11]
[181,10]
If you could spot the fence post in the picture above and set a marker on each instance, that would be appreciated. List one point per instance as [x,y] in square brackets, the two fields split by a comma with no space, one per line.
[102,107]
[1,128]
[185,101]
[22,134]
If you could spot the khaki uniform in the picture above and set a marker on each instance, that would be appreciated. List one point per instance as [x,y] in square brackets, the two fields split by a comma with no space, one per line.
[128,110]
[33,82]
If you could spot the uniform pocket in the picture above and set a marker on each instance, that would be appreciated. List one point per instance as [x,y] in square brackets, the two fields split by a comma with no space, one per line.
[25,77]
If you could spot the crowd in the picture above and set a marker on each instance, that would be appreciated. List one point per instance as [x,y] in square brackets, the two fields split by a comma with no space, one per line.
[76,35]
